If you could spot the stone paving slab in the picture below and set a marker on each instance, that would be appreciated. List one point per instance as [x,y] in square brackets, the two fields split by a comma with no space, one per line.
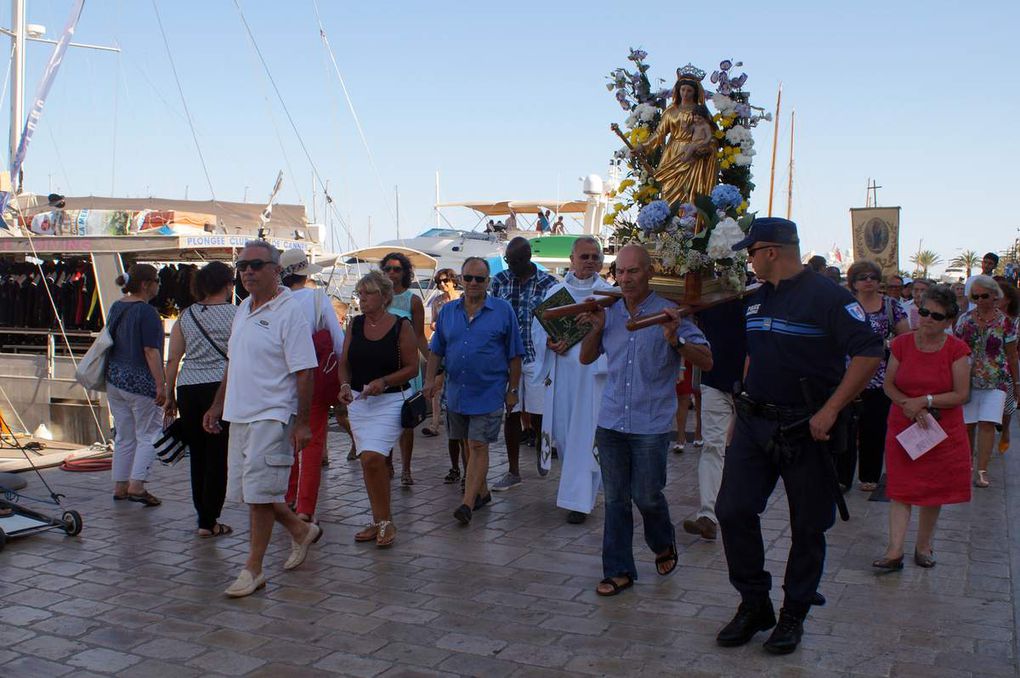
[137,594]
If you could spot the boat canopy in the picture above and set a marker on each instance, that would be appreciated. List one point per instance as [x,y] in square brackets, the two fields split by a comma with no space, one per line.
[374,255]
[501,207]
[236,217]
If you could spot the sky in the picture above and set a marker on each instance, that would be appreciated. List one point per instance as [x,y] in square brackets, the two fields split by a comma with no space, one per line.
[508,101]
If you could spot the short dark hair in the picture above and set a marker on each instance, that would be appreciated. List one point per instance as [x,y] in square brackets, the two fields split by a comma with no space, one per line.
[448,272]
[210,279]
[993,256]
[859,267]
[485,262]
[405,279]
[943,296]
[817,263]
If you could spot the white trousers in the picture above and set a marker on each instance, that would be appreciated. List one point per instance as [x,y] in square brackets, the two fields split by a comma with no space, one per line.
[717,413]
[139,422]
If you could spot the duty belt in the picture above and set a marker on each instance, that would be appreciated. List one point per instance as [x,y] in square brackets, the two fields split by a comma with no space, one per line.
[780,413]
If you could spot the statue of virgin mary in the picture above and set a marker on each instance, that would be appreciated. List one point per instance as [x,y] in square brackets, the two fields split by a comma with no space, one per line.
[688,164]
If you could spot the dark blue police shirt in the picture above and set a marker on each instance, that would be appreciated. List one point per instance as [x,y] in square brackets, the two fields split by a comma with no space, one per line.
[804,327]
[723,326]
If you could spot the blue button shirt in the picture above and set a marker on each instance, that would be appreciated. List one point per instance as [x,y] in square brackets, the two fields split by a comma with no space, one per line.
[640,391]
[478,354]
[524,297]
[803,328]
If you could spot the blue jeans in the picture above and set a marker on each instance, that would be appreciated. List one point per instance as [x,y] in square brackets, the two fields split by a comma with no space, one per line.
[633,470]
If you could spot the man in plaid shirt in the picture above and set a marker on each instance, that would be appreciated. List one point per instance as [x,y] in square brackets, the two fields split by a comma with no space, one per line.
[524,287]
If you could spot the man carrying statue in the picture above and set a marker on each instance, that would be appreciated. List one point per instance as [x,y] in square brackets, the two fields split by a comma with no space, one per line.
[574,390]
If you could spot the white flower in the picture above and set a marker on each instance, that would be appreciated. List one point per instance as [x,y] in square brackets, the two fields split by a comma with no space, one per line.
[738,135]
[724,236]
[723,103]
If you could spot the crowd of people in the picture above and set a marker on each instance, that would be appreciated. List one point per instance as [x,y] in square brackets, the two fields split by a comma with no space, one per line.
[805,379]
[543,224]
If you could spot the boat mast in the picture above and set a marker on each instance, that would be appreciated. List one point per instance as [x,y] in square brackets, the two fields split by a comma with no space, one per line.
[437,199]
[775,140]
[396,193]
[18,37]
[789,186]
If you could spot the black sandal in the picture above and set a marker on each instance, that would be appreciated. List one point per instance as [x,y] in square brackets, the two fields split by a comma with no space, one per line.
[145,498]
[616,586]
[218,530]
[670,557]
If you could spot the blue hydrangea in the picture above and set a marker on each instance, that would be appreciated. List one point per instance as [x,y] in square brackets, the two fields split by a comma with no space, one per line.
[653,215]
[726,196]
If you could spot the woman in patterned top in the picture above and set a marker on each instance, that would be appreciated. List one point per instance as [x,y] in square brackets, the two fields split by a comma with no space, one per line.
[201,335]
[991,336]
[135,382]
[887,319]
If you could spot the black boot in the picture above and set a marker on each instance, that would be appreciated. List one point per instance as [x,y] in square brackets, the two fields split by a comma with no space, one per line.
[786,636]
[751,617]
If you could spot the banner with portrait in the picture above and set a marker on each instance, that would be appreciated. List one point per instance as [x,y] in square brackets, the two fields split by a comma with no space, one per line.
[876,236]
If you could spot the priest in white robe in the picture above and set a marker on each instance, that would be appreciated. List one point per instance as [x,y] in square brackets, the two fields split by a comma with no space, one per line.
[574,392]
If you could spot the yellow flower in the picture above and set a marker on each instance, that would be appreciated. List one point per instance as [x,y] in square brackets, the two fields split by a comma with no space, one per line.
[742,207]
[638,135]
[724,164]
[608,219]
[719,134]
[624,185]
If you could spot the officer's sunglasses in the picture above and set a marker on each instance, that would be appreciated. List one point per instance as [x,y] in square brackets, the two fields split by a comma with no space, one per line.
[937,317]
[255,265]
[474,278]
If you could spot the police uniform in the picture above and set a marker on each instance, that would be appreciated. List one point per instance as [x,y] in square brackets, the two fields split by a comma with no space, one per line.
[799,331]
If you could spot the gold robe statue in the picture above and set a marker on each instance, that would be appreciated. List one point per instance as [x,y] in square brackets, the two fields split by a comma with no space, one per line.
[688,164]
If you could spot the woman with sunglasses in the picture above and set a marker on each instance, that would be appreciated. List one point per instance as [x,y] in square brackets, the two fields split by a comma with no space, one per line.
[991,337]
[446,284]
[888,319]
[406,304]
[928,374]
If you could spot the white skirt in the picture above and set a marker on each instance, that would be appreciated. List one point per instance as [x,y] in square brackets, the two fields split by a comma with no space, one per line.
[375,422]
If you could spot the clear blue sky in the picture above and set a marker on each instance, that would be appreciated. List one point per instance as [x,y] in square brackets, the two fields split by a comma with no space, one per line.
[508,101]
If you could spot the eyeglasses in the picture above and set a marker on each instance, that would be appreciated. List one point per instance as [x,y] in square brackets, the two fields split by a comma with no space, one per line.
[474,278]
[587,257]
[979,297]
[751,252]
[443,281]
[393,269]
[866,277]
[255,265]
[937,317]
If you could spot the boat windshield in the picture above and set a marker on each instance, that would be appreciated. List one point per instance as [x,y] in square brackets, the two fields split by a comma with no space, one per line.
[453,233]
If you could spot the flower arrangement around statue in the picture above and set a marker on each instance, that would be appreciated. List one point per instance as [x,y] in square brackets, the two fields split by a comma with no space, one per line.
[689,175]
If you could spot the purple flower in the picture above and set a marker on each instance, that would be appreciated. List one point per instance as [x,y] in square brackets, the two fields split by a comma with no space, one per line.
[637,55]
[653,215]
[725,65]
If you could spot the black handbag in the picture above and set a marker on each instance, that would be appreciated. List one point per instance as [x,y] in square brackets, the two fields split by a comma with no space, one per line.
[414,410]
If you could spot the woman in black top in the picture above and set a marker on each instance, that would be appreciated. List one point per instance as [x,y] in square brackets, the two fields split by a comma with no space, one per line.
[380,355]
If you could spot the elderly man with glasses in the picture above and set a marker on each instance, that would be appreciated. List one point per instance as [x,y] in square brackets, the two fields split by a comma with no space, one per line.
[479,338]
[266,396]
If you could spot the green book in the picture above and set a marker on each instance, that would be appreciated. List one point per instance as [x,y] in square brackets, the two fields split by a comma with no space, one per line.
[561,329]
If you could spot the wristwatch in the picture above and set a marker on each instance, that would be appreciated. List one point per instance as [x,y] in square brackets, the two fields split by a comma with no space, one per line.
[514,390]
[680,343]
[931,400]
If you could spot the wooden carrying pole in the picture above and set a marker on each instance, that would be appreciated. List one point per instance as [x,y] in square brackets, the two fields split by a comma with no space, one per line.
[775,140]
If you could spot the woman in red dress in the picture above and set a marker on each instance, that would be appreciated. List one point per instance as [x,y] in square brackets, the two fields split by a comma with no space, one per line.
[928,372]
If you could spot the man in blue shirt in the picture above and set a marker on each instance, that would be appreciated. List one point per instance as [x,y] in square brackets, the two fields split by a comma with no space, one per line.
[800,329]
[636,417]
[524,287]
[479,339]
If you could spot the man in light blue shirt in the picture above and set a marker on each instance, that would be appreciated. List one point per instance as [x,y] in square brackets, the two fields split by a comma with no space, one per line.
[481,342]
[636,418]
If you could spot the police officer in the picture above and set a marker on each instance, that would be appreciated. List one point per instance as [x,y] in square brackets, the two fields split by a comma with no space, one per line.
[800,329]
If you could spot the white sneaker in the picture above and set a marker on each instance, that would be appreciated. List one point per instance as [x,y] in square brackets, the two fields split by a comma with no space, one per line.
[299,549]
[245,584]
[678,448]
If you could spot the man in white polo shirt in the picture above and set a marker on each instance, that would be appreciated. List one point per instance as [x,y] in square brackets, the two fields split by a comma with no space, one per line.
[266,396]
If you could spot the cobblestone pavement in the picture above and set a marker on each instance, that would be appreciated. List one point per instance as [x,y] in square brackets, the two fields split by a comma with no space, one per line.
[137,594]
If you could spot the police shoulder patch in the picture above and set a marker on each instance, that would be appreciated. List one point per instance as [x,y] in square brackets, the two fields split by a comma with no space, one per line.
[752,309]
[856,311]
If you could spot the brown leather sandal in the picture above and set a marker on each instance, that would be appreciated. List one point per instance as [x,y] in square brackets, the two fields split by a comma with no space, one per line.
[146,498]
